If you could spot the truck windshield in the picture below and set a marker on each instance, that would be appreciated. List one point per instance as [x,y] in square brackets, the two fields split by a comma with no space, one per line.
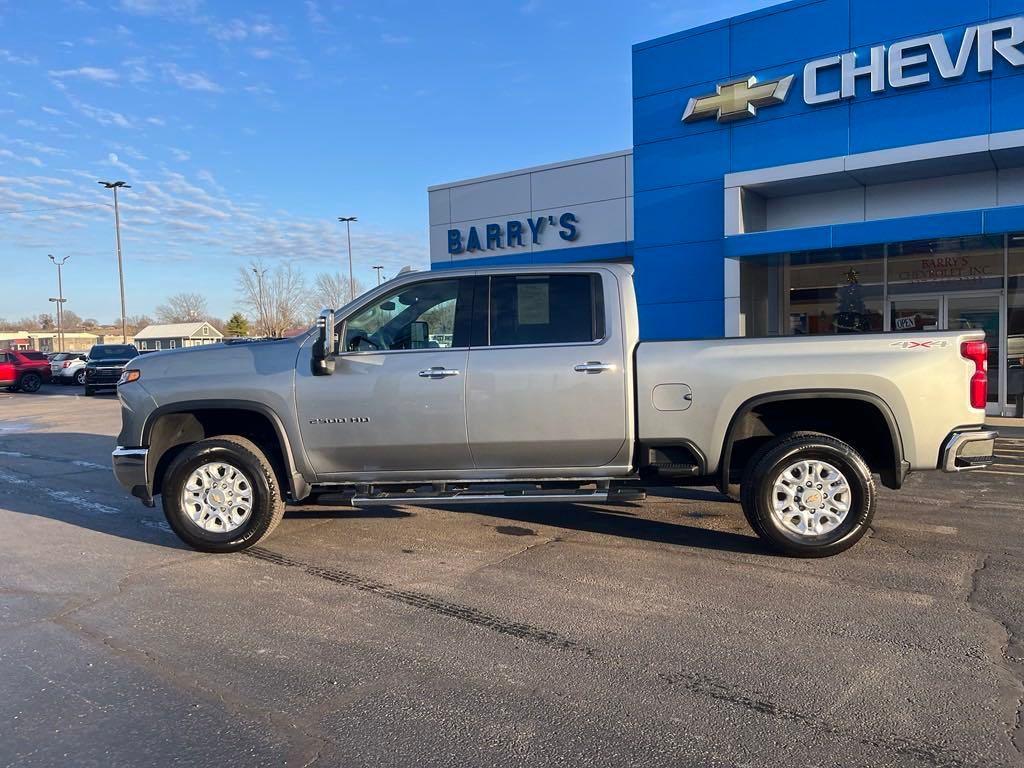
[113,352]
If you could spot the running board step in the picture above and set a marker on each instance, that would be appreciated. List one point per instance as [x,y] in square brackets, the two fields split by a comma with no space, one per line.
[508,497]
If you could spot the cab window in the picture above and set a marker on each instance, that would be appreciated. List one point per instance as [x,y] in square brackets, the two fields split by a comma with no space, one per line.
[427,315]
[546,309]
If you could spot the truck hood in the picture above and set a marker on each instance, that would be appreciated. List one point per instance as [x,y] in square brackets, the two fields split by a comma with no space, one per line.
[224,360]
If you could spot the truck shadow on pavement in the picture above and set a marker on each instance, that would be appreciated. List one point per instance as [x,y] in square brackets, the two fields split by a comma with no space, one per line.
[85,494]
[626,521]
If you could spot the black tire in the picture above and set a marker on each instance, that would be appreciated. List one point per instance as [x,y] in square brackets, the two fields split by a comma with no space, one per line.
[80,378]
[770,462]
[30,383]
[89,391]
[247,458]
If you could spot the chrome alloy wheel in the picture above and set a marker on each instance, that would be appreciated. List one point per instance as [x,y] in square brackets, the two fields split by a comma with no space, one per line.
[810,498]
[217,497]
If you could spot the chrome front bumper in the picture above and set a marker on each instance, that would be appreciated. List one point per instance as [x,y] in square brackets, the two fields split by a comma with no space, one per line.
[965,451]
[132,472]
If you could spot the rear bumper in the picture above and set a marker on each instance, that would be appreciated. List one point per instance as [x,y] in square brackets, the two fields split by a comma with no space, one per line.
[967,450]
[132,472]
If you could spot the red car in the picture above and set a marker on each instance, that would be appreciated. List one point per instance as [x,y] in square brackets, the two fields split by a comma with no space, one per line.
[23,370]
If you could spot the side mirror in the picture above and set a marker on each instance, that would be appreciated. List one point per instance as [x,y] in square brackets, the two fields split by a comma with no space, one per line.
[326,344]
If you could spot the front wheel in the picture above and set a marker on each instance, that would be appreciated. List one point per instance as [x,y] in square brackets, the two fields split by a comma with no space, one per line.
[809,495]
[222,495]
[80,378]
[30,382]
[89,391]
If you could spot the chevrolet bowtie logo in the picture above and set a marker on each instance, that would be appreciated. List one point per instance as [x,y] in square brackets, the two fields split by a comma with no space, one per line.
[738,99]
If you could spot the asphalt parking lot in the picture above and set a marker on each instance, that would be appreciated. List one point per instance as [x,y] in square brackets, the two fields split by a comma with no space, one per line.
[652,634]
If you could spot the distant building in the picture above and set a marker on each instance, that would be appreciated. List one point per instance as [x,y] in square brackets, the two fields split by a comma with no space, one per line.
[176,335]
[47,341]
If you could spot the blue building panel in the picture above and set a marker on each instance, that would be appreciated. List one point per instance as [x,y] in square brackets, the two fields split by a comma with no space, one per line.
[654,68]
[683,320]
[688,214]
[678,273]
[928,114]
[766,143]
[885,21]
[686,160]
[792,33]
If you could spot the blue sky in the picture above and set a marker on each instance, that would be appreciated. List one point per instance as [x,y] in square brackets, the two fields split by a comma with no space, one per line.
[246,128]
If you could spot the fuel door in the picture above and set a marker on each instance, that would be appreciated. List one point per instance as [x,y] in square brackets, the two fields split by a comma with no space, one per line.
[672,397]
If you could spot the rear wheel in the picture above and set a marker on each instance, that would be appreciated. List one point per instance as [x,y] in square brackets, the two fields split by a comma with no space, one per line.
[222,495]
[30,382]
[809,495]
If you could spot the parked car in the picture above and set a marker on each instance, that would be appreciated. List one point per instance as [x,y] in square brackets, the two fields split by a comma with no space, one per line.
[68,367]
[544,393]
[23,370]
[105,364]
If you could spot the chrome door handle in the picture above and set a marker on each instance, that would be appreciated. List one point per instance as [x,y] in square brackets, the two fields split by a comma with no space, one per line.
[438,373]
[593,367]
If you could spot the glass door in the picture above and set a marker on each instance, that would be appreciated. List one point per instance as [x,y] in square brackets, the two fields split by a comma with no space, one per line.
[980,312]
[914,314]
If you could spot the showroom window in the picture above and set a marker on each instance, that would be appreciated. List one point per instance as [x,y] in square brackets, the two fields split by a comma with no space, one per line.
[813,293]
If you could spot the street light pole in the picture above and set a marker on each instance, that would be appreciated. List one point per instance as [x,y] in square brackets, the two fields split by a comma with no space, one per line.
[378,268]
[60,301]
[115,185]
[351,279]
[263,317]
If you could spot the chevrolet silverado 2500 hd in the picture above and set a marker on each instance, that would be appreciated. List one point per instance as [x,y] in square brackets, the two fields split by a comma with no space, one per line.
[527,384]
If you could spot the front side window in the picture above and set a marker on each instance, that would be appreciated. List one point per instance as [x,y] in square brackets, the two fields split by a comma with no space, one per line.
[546,309]
[417,316]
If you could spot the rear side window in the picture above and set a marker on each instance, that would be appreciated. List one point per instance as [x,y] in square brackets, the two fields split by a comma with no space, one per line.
[34,355]
[546,309]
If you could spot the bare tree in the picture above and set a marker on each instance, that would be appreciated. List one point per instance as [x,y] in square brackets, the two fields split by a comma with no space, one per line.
[330,291]
[276,298]
[182,308]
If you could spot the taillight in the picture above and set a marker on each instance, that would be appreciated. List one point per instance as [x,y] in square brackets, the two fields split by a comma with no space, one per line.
[67,364]
[977,352]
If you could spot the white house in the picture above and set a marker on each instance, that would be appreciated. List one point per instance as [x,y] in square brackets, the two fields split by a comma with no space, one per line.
[176,335]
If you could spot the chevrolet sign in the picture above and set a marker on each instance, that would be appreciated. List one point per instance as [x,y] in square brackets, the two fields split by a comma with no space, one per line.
[899,65]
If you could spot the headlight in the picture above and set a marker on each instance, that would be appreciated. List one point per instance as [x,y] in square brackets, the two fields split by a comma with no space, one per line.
[129,375]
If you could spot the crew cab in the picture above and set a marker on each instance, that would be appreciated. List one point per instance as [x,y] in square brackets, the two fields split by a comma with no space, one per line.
[531,384]
[23,370]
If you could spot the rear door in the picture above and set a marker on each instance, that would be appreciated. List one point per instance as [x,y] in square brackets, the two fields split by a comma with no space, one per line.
[547,372]
[7,373]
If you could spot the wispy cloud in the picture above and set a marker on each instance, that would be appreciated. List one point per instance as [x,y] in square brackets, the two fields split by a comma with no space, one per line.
[390,39]
[101,115]
[180,155]
[96,74]
[190,81]
[180,8]
[13,58]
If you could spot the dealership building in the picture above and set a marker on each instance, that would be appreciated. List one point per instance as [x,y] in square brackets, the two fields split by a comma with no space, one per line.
[817,167]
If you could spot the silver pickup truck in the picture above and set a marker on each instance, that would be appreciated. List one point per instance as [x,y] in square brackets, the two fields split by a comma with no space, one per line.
[530,384]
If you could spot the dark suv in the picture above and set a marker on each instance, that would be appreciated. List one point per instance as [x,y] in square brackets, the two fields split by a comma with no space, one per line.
[105,364]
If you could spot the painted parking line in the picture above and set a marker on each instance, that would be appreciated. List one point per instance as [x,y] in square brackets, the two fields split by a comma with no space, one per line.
[998,472]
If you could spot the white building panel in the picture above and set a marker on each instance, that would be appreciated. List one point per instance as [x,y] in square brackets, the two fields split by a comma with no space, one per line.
[596,223]
[440,206]
[579,183]
[491,198]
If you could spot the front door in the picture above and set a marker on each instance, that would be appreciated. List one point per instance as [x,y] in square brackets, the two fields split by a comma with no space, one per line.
[955,312]
[548,379]
[397,399]
[7,374]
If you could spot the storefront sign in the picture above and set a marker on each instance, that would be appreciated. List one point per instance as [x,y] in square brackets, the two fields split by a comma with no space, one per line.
[945,268]
[512,234]
[899,65]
